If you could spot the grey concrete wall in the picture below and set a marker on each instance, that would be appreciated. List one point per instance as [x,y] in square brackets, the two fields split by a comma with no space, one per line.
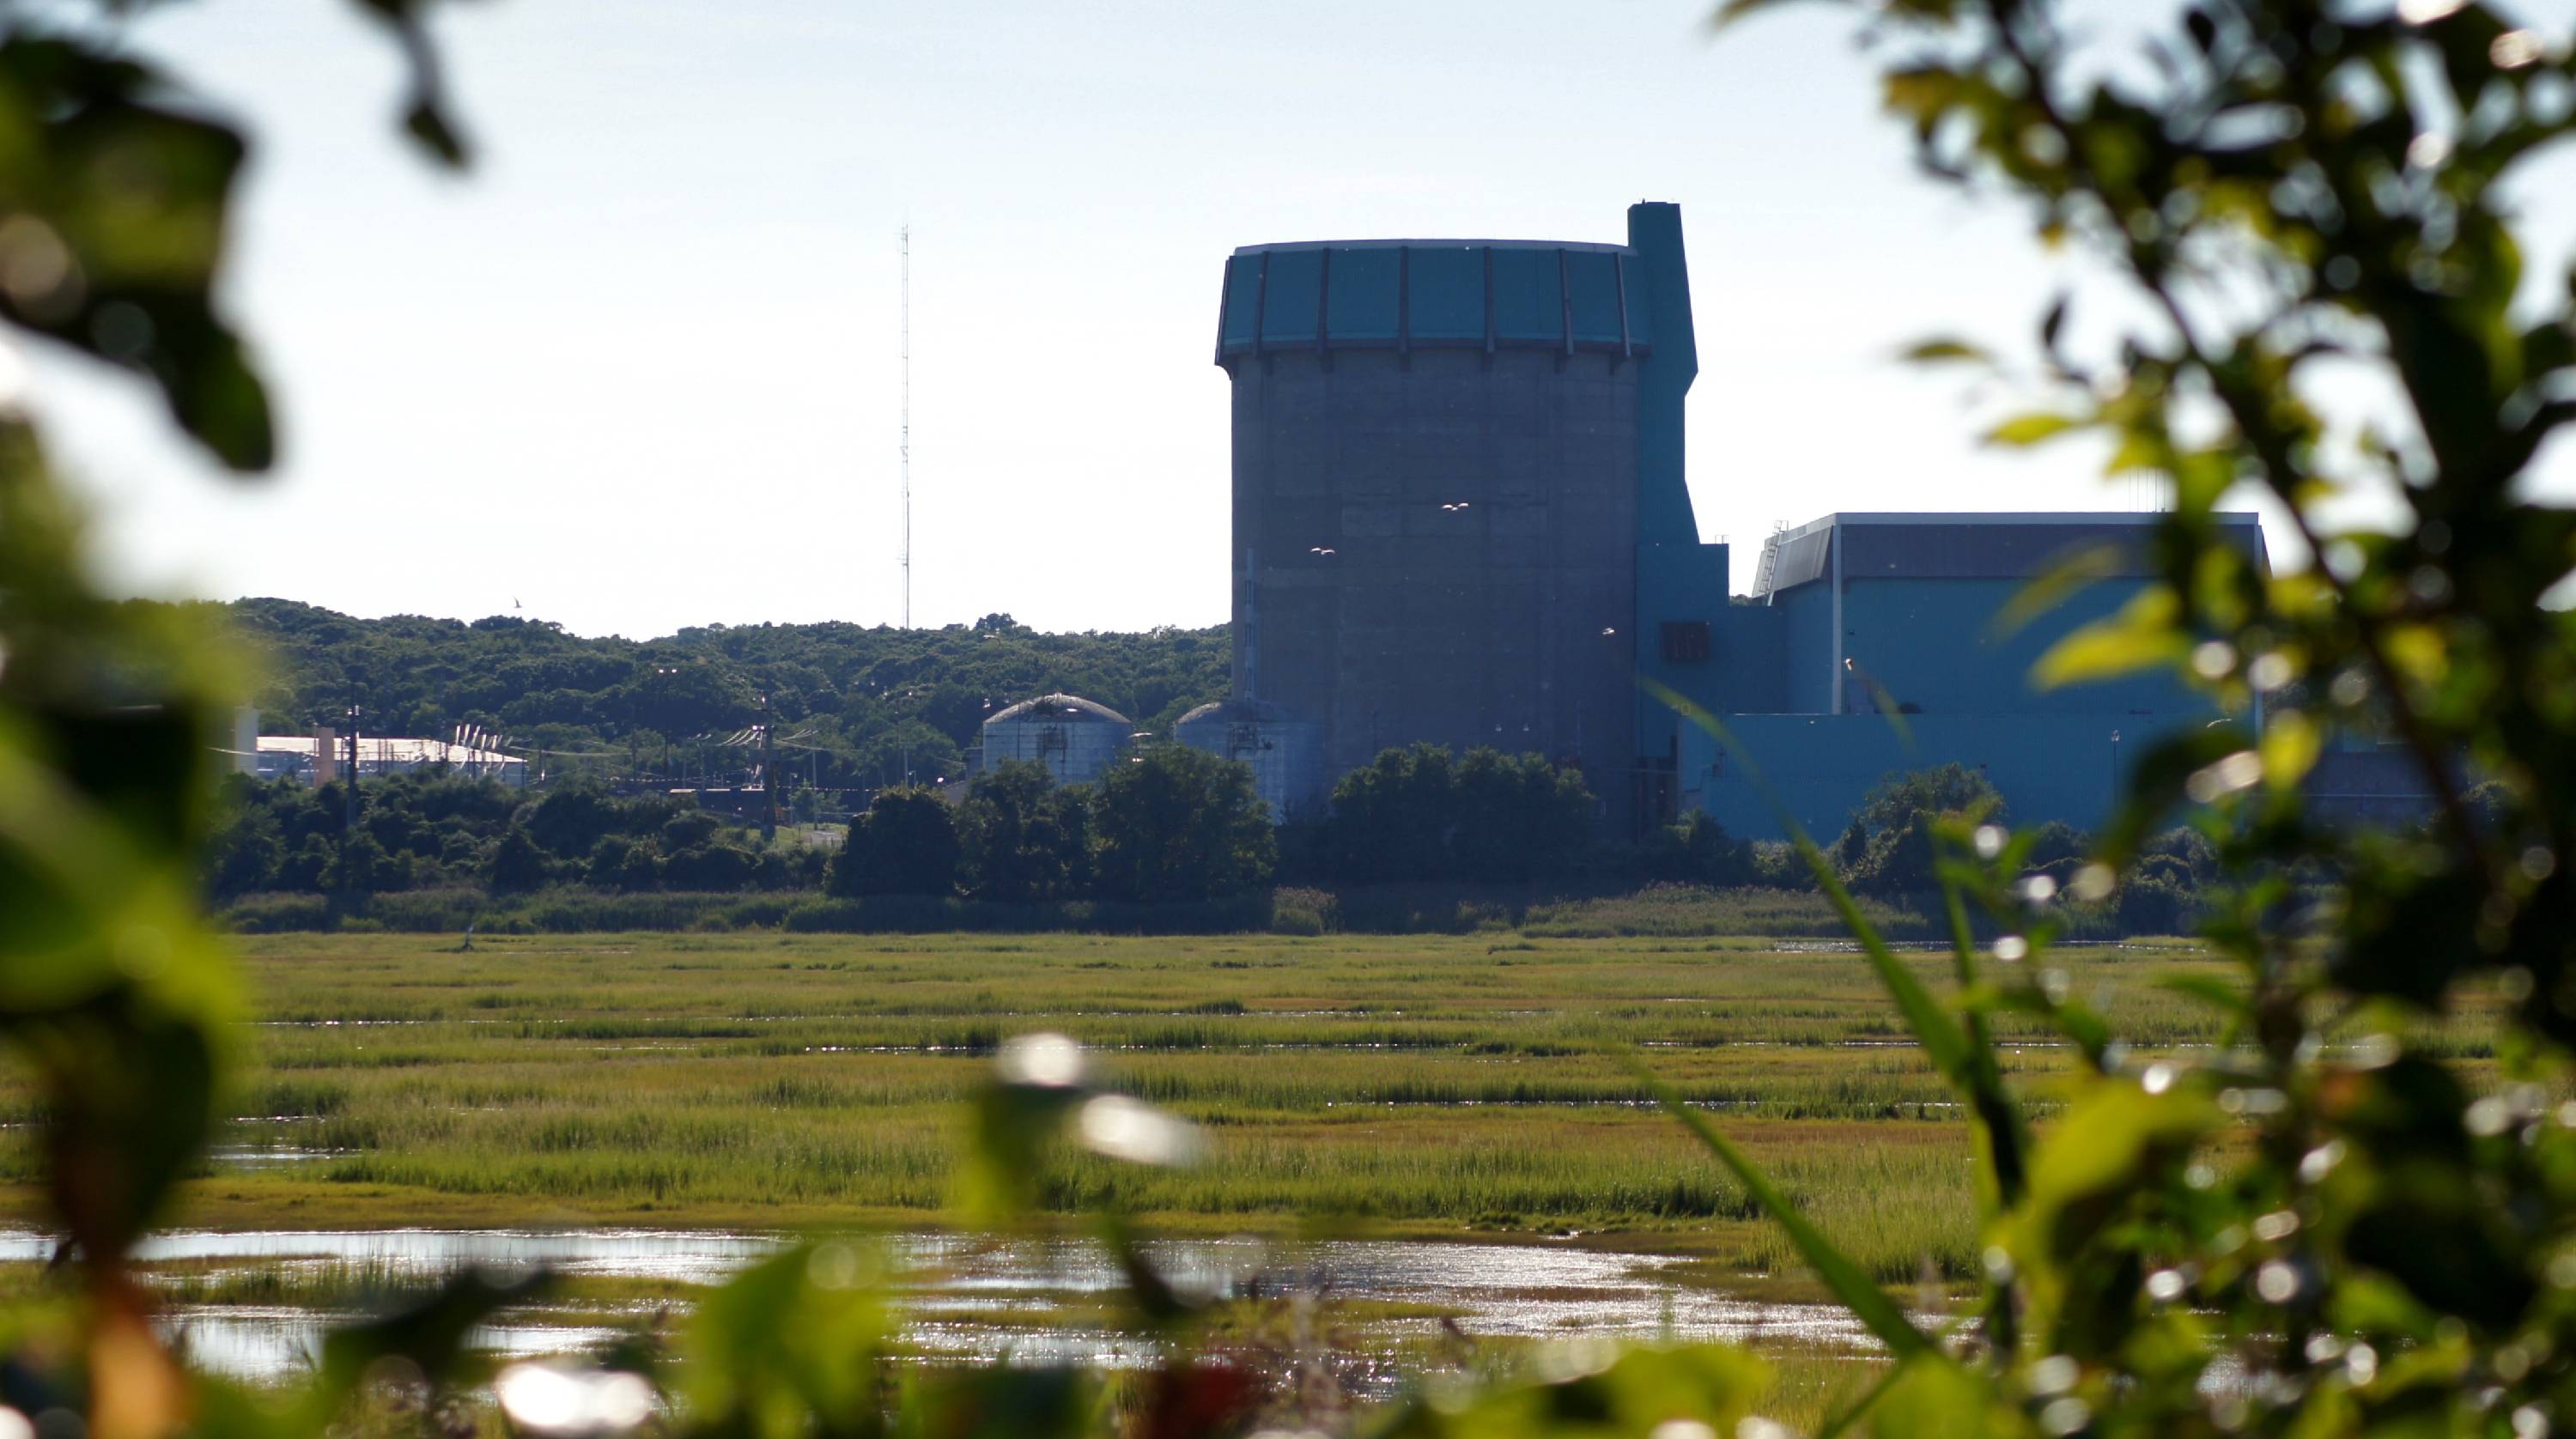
[1481,625]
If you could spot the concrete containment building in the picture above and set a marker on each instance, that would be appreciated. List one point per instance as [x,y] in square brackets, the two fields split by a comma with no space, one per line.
[1073,737]
[1447,454]
[1286,753]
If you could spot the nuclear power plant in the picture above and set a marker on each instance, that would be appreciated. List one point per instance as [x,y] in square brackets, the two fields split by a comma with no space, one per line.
[1460,517]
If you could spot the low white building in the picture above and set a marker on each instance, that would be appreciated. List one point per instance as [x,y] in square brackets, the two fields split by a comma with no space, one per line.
[294,756]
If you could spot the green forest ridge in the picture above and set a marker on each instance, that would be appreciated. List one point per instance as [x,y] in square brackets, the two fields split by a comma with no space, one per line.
[856,699]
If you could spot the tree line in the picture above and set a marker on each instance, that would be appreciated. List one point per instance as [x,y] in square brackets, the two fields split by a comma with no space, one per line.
[856,707]
[1171,825]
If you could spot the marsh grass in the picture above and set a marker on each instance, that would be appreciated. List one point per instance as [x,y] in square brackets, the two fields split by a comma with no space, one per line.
[1419,1084]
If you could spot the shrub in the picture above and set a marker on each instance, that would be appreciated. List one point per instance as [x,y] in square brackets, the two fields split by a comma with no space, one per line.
[905,844]
[1179,824]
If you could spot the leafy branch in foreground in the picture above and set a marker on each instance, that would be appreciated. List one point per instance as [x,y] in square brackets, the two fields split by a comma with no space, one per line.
[2318,1227]
[2315,1228]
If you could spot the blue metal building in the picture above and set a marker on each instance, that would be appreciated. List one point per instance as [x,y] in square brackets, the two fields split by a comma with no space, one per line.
[1460,517]
[1878,642]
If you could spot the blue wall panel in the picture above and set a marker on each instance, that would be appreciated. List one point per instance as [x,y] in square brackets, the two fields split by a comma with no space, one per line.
[1757,661]
[1242,298]
[1684,583]
[1934,643]
[1807,648]
[1529,303]
[1448,295]
[2061,766]
[1295,299]
[1592,283]
[1362,305]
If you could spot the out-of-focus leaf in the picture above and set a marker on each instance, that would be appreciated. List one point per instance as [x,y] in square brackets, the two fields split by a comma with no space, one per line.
[2291,744]
[2022,431]
[430,126]
[1189,1399]
[1733,11]
[2217,993]
[2114,1145]
[425,113]
[1006,1403]
[1932,352]
[1590,1388]
[2158,784]
[2064,576]
[1015,1125]
[2141,636]
[1945,1401]
[428,1336]
[118,207]
[2400,933]
[2416,1222]
[789,1344]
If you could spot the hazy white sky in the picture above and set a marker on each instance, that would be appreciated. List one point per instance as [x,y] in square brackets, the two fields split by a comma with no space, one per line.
[638,369]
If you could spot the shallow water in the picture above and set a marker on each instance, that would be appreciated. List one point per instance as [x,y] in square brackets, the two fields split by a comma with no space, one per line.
[948,1284]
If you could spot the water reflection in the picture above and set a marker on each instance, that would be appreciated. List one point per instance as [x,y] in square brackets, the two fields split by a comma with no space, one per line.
[956,1291]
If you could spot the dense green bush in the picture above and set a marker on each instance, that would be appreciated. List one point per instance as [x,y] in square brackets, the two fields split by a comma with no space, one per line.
[1023,839]
[1175,823]
[905,844]
[1421,813]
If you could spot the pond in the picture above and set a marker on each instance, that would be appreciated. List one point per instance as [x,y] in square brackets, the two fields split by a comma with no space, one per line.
[953,1291]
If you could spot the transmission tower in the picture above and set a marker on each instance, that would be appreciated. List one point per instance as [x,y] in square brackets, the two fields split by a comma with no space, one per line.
[906,243]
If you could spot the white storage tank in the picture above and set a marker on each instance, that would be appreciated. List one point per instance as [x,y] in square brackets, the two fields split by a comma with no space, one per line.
[1073,737]
[1286,753]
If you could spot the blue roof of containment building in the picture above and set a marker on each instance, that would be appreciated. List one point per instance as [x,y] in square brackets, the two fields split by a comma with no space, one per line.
[1434,294]
[1979,546]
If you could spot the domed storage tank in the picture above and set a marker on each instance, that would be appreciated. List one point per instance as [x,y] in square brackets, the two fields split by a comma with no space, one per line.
[1286,753]
[1073,737]
[1448,455]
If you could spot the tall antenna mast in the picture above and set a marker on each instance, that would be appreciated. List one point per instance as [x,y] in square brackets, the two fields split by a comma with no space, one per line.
[906,241]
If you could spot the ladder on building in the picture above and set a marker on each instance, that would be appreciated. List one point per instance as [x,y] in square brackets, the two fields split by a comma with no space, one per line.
[1770,565]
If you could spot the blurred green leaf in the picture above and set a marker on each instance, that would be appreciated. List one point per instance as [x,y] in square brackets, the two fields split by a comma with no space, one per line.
[1589,1387]
[117,211]
[792,1343]
[428,1336]
[2143,635]
[2052,587]
[1928,352]
[2022,431]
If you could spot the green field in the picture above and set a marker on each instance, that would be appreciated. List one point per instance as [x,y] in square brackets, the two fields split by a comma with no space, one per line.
[1409,1085]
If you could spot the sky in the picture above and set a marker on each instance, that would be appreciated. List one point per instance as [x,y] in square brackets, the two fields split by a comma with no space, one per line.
[639,368]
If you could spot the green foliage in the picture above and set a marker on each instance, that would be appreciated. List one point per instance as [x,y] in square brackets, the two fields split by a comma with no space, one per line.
[853,704]
[2300,1231]
[905,844]
[1177,823]
[1887,848]
[1021,840]
[517,865]
[1421,813]
[1706,1390]
[1700,851]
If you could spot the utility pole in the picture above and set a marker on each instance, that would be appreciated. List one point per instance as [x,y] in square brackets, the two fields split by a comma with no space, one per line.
[349,797]
[905,242]
[768,773]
